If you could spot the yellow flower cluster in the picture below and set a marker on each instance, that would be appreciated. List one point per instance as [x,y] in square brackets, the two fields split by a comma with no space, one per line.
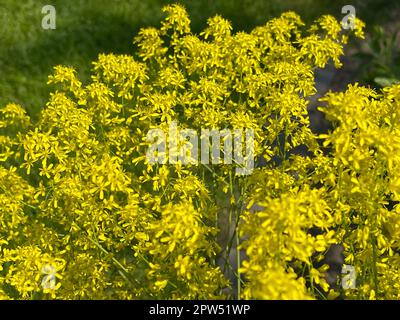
[78,196]
[365,163]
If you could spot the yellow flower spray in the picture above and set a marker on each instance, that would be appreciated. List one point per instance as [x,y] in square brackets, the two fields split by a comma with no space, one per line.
[78,196]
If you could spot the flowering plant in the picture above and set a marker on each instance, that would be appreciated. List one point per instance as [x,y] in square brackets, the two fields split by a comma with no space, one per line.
[80,199]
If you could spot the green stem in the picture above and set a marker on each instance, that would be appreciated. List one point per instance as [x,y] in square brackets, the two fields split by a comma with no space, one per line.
[238,264]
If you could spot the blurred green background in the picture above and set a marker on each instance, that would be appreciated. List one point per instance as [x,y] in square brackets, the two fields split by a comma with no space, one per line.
[87,27]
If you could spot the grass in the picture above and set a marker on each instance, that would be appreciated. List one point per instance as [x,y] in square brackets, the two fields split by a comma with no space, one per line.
[87,27]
